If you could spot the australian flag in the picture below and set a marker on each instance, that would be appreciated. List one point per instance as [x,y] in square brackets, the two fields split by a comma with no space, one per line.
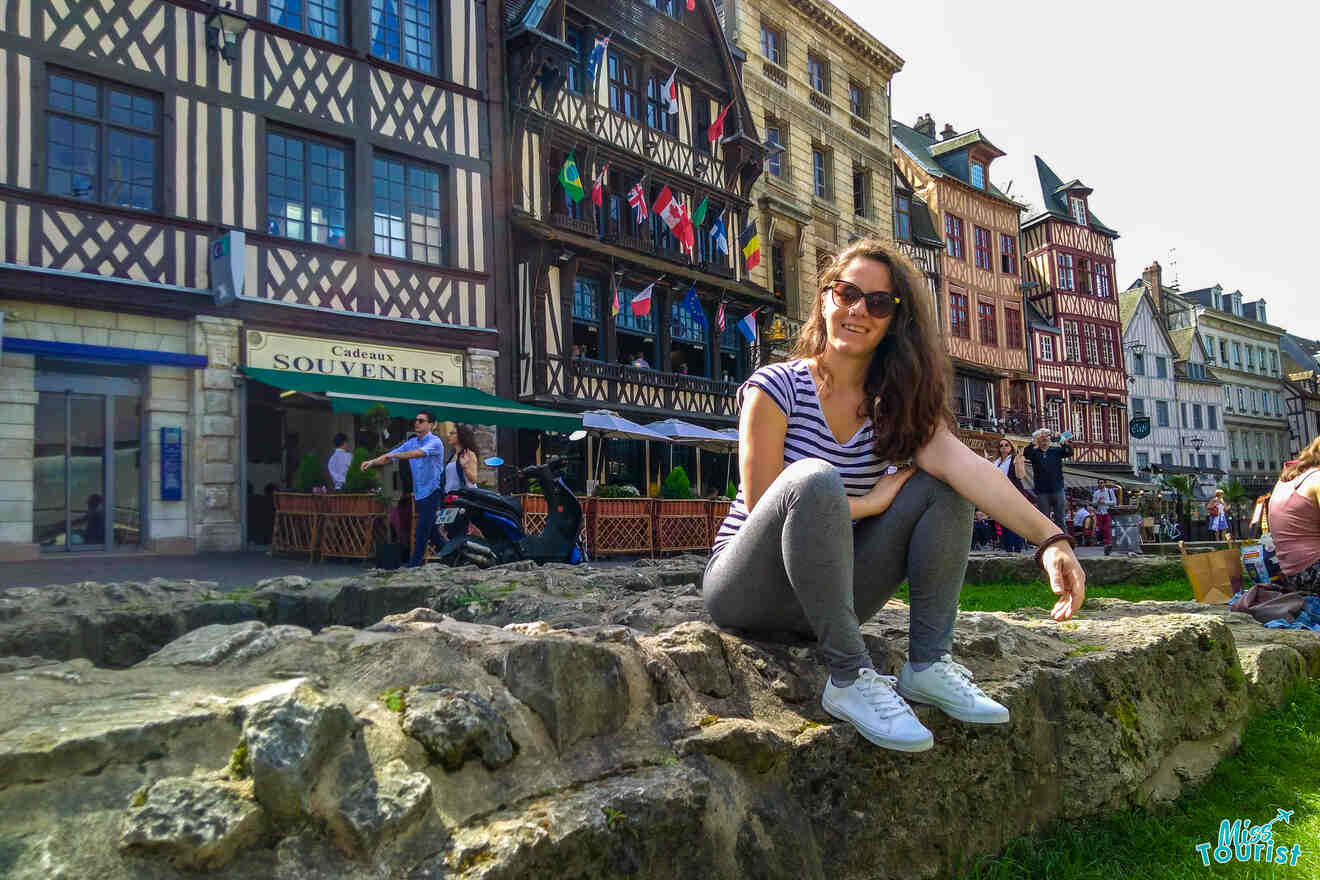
[597,55]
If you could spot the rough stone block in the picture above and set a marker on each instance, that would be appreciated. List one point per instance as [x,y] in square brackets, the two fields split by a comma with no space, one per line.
[198,826]
[378,804]
[288,742]
[218,449]
[454,725]
[18,432]
[217,497]
[95,318]
[136,323]
[218,403]
[577,688]
[218,426]
[217,379]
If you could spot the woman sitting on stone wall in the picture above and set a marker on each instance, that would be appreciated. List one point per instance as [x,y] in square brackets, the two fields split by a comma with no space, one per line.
[824,529]
[1294,518]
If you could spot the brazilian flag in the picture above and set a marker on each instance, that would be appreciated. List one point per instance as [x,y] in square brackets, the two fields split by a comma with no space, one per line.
[571,180]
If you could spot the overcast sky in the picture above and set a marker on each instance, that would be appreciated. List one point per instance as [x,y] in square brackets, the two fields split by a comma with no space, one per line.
[1194,123]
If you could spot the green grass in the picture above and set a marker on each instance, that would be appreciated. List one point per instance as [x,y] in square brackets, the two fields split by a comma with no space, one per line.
[1277,768]
[1012,596]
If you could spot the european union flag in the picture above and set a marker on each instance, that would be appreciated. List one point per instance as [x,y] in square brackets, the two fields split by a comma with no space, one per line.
[693,306]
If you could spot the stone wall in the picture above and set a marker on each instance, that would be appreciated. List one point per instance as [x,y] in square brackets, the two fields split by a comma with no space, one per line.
[18,403]
[479,371]
[215,420]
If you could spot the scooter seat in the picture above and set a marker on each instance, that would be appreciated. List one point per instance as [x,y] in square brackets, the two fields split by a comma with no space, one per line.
[492,501]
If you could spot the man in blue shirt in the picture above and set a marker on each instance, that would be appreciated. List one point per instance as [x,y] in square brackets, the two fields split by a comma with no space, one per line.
[425,454]
[1047,472]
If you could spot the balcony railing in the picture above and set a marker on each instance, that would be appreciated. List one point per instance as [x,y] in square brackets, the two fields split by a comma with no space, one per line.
[565,221]
[820,102]
[859,126]
[1019,422]
[775,74]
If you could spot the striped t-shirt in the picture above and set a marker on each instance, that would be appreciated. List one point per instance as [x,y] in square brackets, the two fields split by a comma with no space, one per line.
[792,388]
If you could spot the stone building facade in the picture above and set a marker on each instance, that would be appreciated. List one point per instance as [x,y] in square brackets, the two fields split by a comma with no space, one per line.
[817,84]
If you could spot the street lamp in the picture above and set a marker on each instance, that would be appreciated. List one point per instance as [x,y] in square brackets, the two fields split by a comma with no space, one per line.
[1137,349]
[1196,443]
[223,28]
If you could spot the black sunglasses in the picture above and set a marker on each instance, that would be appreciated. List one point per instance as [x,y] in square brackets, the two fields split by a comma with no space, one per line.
[879,303]
[422,419]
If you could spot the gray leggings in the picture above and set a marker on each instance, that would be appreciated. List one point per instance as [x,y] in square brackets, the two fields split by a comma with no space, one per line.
[798,565]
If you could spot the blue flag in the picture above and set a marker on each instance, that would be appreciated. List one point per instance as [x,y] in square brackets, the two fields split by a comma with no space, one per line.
[597,54]
[747,326]
[719,236]
[693,306]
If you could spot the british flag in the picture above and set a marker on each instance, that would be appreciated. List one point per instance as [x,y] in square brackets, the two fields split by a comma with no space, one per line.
[637,198]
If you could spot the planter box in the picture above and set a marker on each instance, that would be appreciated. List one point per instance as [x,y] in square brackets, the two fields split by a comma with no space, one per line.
[621,525]
[297,527]
[357,502]
[718,511]
[682,525]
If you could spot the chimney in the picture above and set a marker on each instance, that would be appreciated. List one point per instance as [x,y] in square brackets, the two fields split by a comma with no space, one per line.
[948,131]
[1153,280]
[925,125]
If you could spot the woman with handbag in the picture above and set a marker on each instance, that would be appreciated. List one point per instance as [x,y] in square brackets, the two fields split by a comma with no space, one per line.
[852,482]
[460,470]
[1218,516]
[1013,466]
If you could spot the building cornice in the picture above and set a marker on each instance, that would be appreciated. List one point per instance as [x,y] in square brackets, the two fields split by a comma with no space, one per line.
[833,21]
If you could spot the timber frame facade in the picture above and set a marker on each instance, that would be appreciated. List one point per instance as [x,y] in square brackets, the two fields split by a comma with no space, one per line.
[570,258]
[127,145]
[978,286]
[1068,268]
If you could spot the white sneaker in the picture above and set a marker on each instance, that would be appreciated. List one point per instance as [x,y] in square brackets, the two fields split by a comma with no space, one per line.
[871,705]
[949,686]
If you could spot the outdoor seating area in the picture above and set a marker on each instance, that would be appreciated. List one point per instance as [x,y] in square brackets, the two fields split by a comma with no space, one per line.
[638,526]
[324,525]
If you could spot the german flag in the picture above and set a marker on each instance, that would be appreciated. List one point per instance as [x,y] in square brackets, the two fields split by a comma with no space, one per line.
[751,246]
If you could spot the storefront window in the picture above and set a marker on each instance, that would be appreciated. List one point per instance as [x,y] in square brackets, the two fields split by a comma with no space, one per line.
[687,342]
[586,318]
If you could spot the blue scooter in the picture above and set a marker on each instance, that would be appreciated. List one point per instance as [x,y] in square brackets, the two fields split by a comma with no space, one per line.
[500,519]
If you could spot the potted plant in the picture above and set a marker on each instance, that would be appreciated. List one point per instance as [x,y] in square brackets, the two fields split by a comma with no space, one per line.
[681,522]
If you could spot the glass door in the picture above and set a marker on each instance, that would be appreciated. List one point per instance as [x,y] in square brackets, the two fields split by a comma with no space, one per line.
[87,474]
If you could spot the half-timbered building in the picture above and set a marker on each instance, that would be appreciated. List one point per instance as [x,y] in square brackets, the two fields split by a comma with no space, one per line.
[574,260]
[979,294]
[916,234]
[349,142]
[1068,269]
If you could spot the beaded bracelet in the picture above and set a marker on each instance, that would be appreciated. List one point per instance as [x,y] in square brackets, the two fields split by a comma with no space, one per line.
[1053,539]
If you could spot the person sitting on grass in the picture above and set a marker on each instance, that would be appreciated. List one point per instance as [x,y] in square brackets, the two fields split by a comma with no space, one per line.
[1294,517]
[852,482]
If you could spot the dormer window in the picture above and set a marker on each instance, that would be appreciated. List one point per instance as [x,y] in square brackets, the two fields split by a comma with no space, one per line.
[978,175]
[1077,207]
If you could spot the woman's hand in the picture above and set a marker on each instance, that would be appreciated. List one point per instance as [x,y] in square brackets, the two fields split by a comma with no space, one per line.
[1067,579]
[883,493]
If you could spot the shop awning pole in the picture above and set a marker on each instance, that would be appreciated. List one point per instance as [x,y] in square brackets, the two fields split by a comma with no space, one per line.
[646,478]
[591,470]
[697,450]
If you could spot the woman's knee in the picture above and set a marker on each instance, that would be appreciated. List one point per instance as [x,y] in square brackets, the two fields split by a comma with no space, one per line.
[814,481]
[942,495]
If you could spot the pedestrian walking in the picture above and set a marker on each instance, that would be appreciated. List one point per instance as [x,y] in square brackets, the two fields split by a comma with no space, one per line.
[1047,475]
[1219,517]
[853,482]
[1101,500]
[425,454]
[1013,466]
[339,461]
[460,469]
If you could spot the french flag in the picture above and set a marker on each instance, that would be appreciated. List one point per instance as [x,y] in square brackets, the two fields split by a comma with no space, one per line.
[747,326]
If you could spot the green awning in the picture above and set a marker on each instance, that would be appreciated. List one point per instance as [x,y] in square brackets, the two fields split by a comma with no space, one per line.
[403,399]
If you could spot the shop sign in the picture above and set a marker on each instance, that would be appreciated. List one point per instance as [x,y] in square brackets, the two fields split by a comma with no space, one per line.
[1139,427]
[351,359]
[171,464]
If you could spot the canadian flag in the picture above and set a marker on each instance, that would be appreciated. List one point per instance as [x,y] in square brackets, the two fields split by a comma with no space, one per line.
[671,91]
[668,209]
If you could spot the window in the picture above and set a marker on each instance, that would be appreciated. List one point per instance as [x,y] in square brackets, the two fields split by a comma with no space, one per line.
[1233,446]
[1077,207]
[861,185]
[1107,346]
[402,31]
[1210,349]
[1054,415]
[624,97]
[772,45]
[586,317]
[1161,367]
[1066,279]
[1274,362]
[959,325]
[1079,420]
[668,7]
[658,116]
[1012,327]
[1251,359]
[661,237]
[306,189]
[576,71]
[985,316]
[1071,342]
[1046,346]
[1197,421]
[1083,275]
[820,172]
[1223,351]
[1216,462]
[1228,398]
[953,236]
[1138,364]
[981,245]
[1097,424]
[409,214]
[1237,355]
[1242,400]
[818,73]
[1166,458]
[1007,254]
[700,123]
[1196,371]
[1103,288]
[1092,344]
[1162,413]
[1212,418]
[774,133]
[978,175]
[903,217]
[626,320]
[1138,407]
[858,104]
[317,18]
[778,270]
[1143,460]
[1183,407]
[103,143]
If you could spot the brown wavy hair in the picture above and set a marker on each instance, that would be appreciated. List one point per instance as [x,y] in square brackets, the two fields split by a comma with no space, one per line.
[1309,458]
[908,382]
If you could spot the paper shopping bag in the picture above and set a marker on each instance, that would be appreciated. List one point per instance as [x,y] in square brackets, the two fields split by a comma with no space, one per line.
[1216,576]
